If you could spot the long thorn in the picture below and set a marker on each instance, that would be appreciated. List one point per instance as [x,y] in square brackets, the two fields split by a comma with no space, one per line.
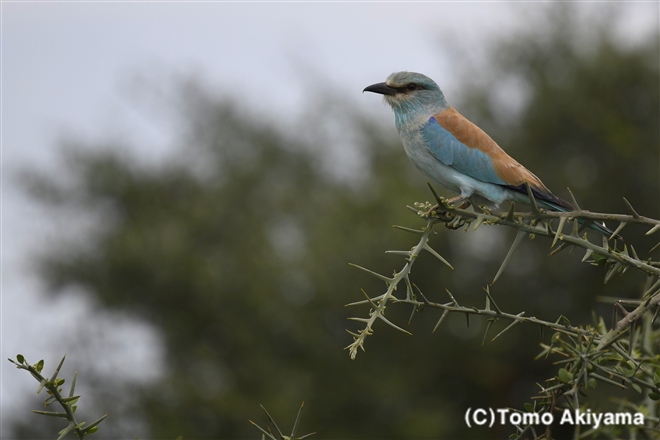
[576,207]
[517,321]
[654,248]
[509,215]
[519,236]
[559,249]
[532,200]
[368,299]
[630,208]
[480,220]
[412,231]
[422,294]
[435,194]
[371,272]
[57,370]
[452,297]
[73,384]
[391,324]
[436,255]
[618,229]
[562,222]
[272,421]
[295,424]
[442,318]
[653,229]
[492,301]
[490,323]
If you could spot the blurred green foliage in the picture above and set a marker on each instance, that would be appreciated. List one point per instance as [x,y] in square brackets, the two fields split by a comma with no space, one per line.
[238,252]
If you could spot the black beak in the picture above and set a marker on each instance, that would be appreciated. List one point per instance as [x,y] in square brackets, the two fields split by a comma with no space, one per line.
[381,88]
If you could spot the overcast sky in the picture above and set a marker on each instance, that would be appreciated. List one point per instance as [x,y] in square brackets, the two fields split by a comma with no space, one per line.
[67,67]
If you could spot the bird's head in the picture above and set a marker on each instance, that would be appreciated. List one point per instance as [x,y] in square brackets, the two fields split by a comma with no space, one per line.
[411,94]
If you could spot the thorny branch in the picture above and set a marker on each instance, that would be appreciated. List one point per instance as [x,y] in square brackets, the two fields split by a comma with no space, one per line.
[538,223]
[68,404]
[591,353]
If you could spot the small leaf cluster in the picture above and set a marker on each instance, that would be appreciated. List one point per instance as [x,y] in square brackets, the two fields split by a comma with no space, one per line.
[53,389]
[625,364]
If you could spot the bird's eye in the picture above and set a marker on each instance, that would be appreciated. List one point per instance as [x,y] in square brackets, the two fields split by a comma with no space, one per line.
[412,86]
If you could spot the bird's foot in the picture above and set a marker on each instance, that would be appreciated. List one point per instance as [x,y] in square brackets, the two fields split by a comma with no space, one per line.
[432,211]
[454,202]
[438,212]
[458,199]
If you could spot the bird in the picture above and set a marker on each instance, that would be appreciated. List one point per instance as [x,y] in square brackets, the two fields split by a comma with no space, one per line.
[454,152]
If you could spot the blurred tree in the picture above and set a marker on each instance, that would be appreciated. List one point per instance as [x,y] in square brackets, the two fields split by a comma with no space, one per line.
[237,252]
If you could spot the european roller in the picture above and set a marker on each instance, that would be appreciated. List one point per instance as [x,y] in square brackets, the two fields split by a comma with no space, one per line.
[454,152]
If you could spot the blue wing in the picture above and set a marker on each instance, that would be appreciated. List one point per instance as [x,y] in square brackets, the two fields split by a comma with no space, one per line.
[452,152]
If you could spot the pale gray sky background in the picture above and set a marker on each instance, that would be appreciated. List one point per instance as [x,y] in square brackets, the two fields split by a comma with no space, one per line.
[67,68]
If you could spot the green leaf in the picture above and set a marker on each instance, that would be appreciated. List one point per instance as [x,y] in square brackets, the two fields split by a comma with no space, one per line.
[599,259]
[95,423]
[556,337]
[39,366]
[654,396]
[20,358]
[564,375]
[70,400]
[591,383]
[636,387]
[529,407]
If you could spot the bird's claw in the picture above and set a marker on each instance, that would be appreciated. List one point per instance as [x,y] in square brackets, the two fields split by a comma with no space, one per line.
[458,199]
[432,211]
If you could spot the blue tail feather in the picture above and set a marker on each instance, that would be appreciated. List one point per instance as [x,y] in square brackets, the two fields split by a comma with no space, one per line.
[599,227]
[549,201]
